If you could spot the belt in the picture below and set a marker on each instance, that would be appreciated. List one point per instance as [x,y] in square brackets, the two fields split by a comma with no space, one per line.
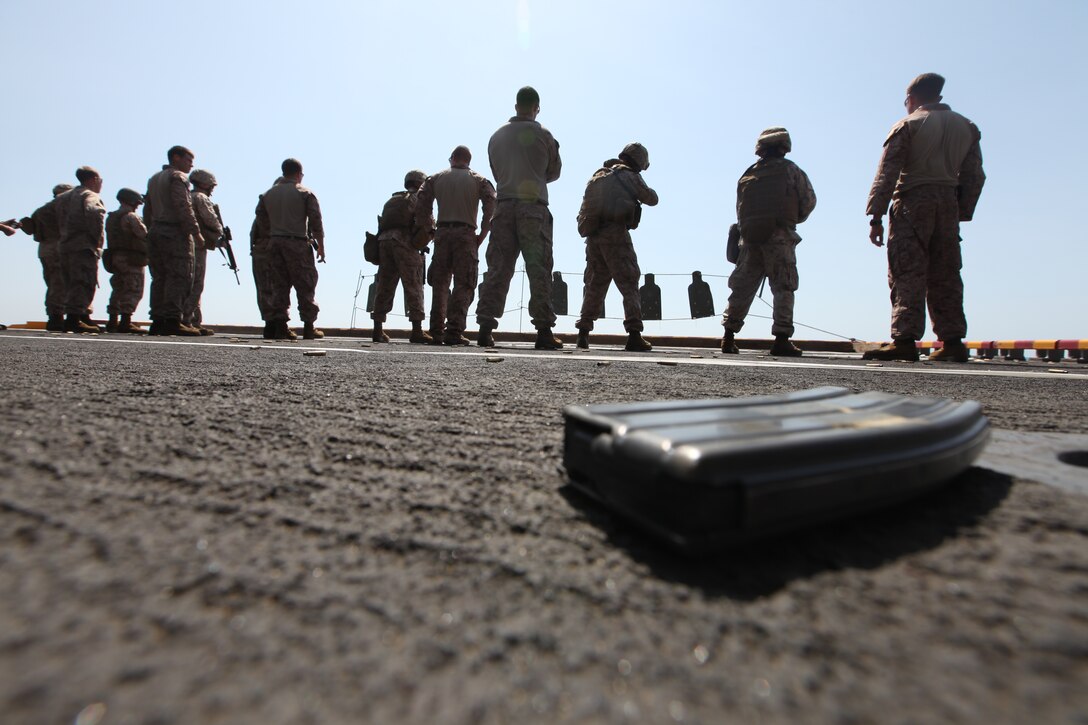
[288,236]
[449,225]
[524,201]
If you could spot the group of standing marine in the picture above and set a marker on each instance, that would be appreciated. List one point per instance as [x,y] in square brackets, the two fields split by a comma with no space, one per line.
[930,172]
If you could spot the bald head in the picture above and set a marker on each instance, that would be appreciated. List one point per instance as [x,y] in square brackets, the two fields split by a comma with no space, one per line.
[461,156]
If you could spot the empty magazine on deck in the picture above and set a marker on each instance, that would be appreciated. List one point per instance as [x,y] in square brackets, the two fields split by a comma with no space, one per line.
[703,474]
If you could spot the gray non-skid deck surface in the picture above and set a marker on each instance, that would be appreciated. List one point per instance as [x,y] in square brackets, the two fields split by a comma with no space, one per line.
[217,534]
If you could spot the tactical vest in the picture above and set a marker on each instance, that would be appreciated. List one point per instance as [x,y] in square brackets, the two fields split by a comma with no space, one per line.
[764,203]
[608,199]
[120,241]
[398,212]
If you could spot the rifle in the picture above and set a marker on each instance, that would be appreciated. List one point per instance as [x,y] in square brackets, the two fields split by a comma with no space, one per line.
[313,243]
[224,246]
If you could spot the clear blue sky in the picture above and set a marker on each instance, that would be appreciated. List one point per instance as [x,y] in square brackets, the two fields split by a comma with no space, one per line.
[363,92]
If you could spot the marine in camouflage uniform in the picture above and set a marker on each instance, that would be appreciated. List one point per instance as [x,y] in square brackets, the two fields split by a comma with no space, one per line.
[126,245]
[931,172]
[401,260]
[292,215]
[80,213]
[258,251]
[775,257]
[172,234]
[44,226]
[610,254]
[524,159]
[211,228]
[460,192]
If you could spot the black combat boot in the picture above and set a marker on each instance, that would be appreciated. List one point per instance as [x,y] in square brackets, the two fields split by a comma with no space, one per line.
[379,336]
[269,330]
[583,340]
[55,323]
[437,333]
[111,323]
[729,345]
[153,331]
[782,347]
[545,340]
[902,348]
[637,343]
[418,336]
[485,338]
[309,332]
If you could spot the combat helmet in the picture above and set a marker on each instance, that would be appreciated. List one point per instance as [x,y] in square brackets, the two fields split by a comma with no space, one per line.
[414,179]
[130,197]
[637,154]
[774,136]
[202,177]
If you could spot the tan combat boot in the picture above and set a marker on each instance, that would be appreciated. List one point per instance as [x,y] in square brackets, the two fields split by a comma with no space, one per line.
[951,351]
[637,343]
[309,332]
[545,340]
[902,348]
[782,347]
[729,344]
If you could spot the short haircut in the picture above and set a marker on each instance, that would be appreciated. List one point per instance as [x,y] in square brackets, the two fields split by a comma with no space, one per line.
[178,151]
[85,174]
[290,167]
[528,98]
[461,153]
[926,87]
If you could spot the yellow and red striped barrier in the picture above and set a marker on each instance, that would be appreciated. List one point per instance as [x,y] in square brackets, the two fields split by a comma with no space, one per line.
[1052,350]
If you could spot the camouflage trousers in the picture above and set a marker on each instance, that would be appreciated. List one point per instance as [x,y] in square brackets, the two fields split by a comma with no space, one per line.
[190,310]
[291,264]
[610,256]
[80,269]
[53,274]
[526,228]
[775,259]
[170,261]
[399,262]
[924,263]
[259,254]
[457,258]
[128,285]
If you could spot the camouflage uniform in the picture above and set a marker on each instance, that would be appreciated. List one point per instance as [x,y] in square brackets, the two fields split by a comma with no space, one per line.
[459,191]
[258,251]
[126,237]
[168,208]
[290,212]
[924,258]
[44,225]
[524,160]
[775,259]
[400,260]
[80,213]
[610,255]
[211,228]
